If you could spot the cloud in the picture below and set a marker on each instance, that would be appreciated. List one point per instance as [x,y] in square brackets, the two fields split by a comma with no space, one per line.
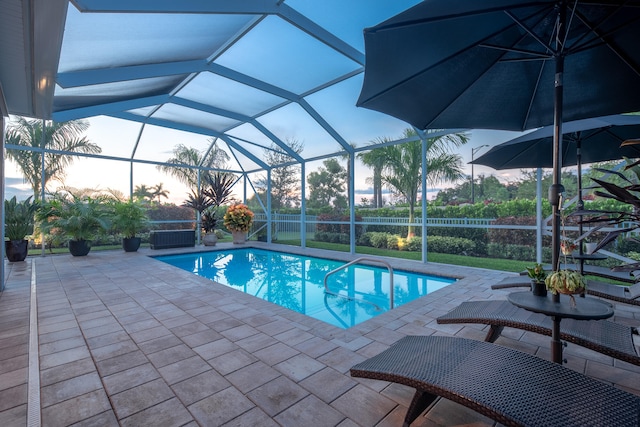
[16,187]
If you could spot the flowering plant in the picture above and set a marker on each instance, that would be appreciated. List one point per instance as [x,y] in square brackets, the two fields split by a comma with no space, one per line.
[566,281]
[238,218]
[537,273]
[567,247]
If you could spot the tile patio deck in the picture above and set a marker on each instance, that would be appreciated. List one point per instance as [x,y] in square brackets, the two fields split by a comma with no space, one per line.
[127,340]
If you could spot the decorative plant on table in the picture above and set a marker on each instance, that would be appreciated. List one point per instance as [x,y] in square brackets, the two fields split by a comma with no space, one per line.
[565,281]
[537,274]
[238,220]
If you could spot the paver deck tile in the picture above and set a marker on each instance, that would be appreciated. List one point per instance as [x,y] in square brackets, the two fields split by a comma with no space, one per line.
[126,340]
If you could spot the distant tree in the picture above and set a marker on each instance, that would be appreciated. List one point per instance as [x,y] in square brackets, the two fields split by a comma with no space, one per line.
[403,169]
[189,159]
[285,176]
[527,184]
[376,159]
[143,193]
[326,186]
[58,136]
[158,192]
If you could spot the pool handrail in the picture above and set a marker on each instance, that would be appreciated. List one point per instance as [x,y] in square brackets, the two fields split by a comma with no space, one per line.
[356,261]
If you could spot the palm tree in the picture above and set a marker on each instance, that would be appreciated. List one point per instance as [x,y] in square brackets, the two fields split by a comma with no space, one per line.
[142,192]
[192,159]
[404,166]
[58,136]
[158,192]
[376,159]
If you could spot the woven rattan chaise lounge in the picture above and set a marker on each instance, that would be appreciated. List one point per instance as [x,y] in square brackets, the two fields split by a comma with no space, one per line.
[506,385]
[606,337]
[619,293]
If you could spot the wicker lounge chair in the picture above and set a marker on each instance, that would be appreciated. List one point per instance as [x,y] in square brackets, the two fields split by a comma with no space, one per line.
[511,387]
[603,336]
[626,294]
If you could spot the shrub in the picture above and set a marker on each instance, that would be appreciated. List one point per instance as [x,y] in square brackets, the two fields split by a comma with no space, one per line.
[169,212]
[507,236]
[414,244]
[392,241]
[379,240]
[364,239]
[517,252]
[450,245]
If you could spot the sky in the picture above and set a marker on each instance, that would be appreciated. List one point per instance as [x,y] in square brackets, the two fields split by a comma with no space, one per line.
[116,138]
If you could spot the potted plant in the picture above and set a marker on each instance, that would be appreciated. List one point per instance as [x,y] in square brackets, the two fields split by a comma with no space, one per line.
[568,282]
[537,274]
[238,220]
[206,201]
[129,218]
[79,219]
[209,222]
[19,218]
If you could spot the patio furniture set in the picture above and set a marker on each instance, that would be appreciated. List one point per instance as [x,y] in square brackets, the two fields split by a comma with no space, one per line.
[511,387]
[625,294]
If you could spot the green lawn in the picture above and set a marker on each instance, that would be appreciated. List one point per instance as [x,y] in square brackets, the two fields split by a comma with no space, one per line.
[467,261]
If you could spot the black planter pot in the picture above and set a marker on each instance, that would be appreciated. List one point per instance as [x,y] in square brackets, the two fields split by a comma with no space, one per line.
[79,247]
[16,250]
[131,244]
[539,288]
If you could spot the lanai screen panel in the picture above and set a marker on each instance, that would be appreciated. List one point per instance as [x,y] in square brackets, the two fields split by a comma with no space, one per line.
[251,74]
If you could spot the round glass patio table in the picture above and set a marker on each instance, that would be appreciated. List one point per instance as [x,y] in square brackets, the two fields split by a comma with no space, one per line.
[583,309]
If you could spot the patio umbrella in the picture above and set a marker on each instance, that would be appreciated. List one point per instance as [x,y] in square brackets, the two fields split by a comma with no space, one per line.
[506,64]
[583,141]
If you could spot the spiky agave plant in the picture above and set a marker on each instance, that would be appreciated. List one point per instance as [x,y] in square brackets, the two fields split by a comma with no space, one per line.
[624,220]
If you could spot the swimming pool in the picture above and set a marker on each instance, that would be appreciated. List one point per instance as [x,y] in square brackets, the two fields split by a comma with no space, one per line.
[297,282]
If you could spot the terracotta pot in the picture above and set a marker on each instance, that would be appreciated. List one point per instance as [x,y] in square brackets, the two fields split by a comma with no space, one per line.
[239,237]
[209,239]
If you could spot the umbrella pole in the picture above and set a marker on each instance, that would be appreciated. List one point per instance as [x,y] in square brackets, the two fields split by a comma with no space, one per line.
[556,188]
[580,201]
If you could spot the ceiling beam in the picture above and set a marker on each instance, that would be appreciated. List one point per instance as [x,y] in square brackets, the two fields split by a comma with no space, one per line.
[72,79]
[108,108]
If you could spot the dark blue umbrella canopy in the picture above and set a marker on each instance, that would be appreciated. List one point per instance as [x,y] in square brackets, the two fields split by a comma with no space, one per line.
[491,64]
[506,64]
[599,140]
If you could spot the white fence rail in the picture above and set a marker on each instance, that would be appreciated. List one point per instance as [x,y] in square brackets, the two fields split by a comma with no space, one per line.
[289,224]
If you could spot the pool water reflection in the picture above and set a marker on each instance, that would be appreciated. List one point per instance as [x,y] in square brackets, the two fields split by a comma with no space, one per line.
[297,282]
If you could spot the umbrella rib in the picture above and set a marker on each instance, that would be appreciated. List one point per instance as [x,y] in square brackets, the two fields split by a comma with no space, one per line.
[600,39]
[536,55]
[530,31]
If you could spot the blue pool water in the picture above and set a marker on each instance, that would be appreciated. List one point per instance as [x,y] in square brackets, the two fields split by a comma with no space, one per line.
[297,282]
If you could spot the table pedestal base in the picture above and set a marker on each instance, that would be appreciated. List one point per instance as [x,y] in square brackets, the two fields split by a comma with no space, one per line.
[556,344]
